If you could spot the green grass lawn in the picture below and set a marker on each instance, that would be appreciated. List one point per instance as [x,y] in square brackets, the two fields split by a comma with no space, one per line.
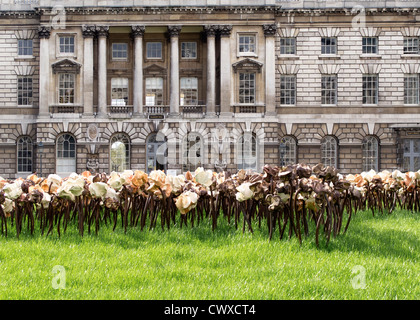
[195,263]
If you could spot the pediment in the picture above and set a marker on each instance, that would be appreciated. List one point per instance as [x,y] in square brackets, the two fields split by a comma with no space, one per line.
[66,65]
[247,64]
[154,69]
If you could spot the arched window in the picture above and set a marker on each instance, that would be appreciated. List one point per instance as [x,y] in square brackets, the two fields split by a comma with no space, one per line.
[370,148]
[329,151]
[66,154]
[287,150]
[24,155]
[156,152]
[120,152]
[192,151]
[248,151]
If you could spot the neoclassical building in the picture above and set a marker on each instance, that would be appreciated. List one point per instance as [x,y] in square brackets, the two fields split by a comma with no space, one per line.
[223,84]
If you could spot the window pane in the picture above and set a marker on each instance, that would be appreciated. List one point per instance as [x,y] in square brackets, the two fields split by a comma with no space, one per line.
[66,88]
[119,50]
[189,50]
[411,89]
[120,153]
[329,89]
[67,44]
[24,154]
[188,91]
[329,151]
[247,43]
[154,50]
[370,89]
[246,87]
[288,89]
[24,91]
[119,91]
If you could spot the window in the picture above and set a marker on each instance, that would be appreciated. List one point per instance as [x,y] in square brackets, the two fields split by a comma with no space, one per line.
[24,91]
[288,89]
[119,51]
[411,45]
[246,87]
[287,151]
[120,152]
[66,88]
[329,151]
[411,89]
[192,152]
[66,154]
[154,50]
[370,45]
[25,47]
[154,91]
[247,43]
[247,152]
[288,46]
[156,152]
[411,155]
[329,89]
[24,154]
[189,92]
[66,44]
[329,45]
[370,89]
[370,153]
[189,50]
[119,91]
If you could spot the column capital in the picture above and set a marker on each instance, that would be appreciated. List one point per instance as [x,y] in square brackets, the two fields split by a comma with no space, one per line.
[269,30]
[211,30]
[102,31]
[174,30]
[44,32]
[88,31]
[137,31]
[225,30]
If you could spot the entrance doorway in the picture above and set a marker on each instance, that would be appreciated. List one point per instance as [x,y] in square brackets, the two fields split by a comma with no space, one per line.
[411,156]
[156,152]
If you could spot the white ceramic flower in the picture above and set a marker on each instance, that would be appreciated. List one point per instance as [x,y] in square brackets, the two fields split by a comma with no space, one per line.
[12,190]
[186,201]
[245,192]
[46,199]
[98,189]
[176,182]
[204,178]
[116,181]
[8,206]
[398,175]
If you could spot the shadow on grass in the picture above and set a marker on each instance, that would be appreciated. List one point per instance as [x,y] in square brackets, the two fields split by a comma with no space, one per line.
[365,235]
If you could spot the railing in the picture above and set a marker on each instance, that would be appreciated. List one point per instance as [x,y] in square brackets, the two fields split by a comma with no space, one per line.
[120,111]
[66,109]
[249,109]
[164,109]
[198,111]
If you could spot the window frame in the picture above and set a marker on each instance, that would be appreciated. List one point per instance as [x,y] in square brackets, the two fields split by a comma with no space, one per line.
[188,92]
[31,47]
[329,46]
[287,46]
[370,46]
[59,88]
[416,76]
[254,150]
[147,50]
[405,45]
[290,155]
[113,58]
[254,88]
[366,99]
[250,35]
[188,141]
[155,92]
[329,95]
[125,140]
[370,154]
[117,86]
[329,155]
[72,148]
[69,36]
[31,90]
[285,99]
[183,50]
[29,158]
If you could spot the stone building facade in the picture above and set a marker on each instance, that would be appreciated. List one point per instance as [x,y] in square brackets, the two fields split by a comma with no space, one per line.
[114,85]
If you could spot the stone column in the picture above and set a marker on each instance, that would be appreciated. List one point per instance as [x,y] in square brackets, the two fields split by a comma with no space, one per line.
[270,68]
[102,32]
[88,35]
[137,33]
[225,69]
[211,70]
[44,69]
[174,86]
